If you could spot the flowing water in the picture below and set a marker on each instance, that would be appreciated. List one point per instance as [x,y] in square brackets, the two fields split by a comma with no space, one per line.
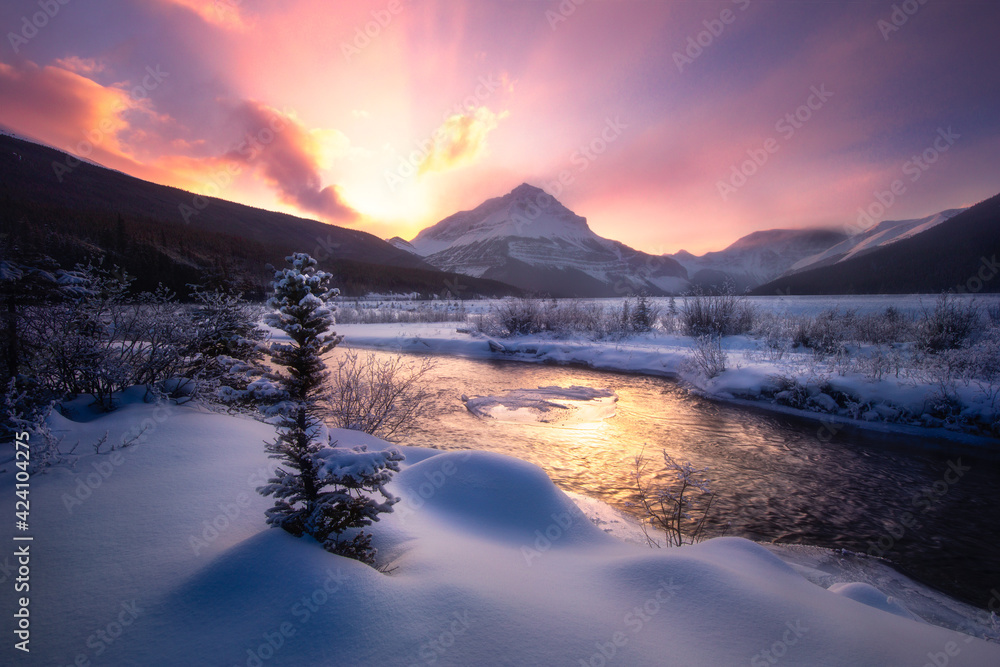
[926,506]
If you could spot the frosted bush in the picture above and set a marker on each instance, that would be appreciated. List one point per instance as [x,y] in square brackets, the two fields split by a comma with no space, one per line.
[378,396]
[949,325]
[717,314]
[678,505]
[709,357]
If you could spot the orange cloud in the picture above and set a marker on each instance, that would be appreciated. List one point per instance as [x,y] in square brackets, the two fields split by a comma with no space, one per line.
[460,140]
[63,108]
[222,13]
[288,156]
[80,116]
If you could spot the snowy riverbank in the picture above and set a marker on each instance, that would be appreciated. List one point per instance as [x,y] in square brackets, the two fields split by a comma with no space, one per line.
[158,554]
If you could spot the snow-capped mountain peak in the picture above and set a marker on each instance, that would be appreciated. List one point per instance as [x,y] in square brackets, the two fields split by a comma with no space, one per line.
[529,239]
[525,212]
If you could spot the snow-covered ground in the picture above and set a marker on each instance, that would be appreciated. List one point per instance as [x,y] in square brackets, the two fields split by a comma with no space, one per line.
[158,554]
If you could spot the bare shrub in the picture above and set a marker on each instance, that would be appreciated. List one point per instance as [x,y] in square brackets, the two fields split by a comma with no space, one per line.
[679,505]
[572,316]
[993,313]
[516,317]
[889,326]
[107,340]
[878,362]
[22,414]
[949,325]
[709,357]
[985,368]
[825,333]
[377,396]
[716,314]
[512,316]
[789,391]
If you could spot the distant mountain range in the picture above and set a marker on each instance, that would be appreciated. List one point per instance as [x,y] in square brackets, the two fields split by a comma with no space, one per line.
[755,258]
[528,239]
[955,250]
[98,213]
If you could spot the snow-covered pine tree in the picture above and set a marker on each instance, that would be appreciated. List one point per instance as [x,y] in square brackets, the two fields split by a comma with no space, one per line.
[326,490]
[300,308]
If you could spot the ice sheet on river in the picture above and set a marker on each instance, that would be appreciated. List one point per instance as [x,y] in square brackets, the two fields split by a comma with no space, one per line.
[563,405]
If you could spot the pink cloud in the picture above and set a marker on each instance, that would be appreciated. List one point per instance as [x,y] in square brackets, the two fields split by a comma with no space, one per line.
[287,156]
[226,14]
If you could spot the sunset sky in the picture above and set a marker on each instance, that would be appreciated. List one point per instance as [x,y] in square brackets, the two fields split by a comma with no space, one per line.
[443,104]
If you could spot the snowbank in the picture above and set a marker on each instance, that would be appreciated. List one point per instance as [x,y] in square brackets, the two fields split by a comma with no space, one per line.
[158,555]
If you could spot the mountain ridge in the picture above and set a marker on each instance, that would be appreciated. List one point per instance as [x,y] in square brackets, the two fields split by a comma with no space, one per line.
[755,258]
[105,214]
[958,254]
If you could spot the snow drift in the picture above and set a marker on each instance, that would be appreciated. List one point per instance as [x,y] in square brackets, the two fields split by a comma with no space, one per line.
[160,556]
